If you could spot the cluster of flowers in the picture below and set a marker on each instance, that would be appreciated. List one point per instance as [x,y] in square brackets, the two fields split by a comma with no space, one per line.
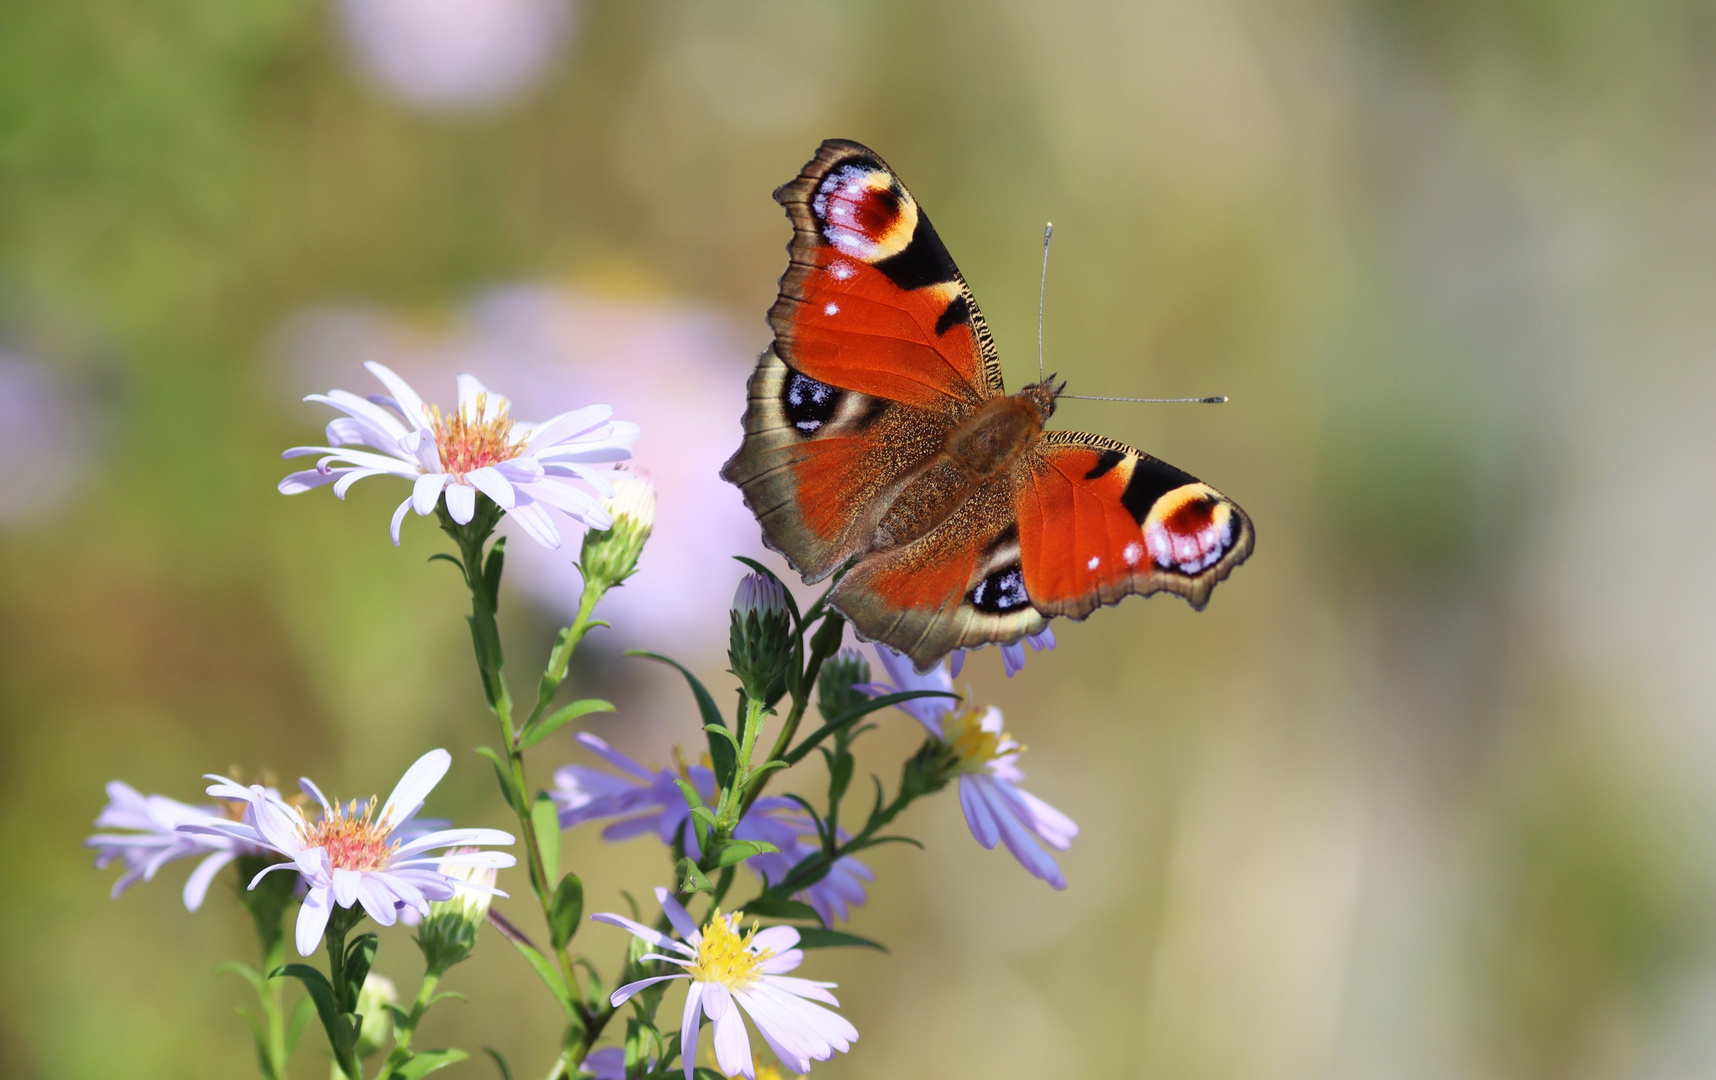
[393,866]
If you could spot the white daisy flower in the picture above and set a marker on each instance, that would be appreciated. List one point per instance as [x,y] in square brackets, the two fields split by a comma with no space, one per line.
[730,973]
[525,468]
[348,858]
[153,840]
[996,809]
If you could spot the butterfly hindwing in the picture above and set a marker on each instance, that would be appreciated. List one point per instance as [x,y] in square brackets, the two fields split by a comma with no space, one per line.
[957,586]
[871,300]
[1099,521]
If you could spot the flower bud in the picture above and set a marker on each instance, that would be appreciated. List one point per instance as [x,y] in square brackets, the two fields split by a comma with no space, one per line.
[611,555]
[842,672]
[449,932]
[372,1004]
[760,645]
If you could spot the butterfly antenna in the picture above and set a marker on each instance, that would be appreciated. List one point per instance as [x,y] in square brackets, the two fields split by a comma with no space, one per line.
[1042,287]
[1216,400]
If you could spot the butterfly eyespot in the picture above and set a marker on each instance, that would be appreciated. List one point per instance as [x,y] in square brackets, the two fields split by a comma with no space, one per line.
[863,214]
[809,404]
[1189,530]
[1001,592]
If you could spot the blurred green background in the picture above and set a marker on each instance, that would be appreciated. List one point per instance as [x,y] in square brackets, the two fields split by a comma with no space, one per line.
[1425,793]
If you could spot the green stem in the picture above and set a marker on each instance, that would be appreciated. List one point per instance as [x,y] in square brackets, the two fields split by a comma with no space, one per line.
[271,996]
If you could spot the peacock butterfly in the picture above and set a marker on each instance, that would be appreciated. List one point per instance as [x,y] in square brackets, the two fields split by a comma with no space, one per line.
[878,438]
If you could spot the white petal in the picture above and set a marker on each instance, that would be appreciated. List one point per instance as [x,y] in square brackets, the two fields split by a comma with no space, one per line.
[461,502]
[677,915]
[197,885]
[619,997]
[494,485]
[409,403]
[398,520]
[426,492]
[689,1023]
[534,520]
[312,920]
[733,1044]
[415,786]
[346,884]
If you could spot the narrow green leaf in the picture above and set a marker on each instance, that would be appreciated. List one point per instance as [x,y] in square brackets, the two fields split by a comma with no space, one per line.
[704,814]
[839,777]
[737,851]
[721,731]
[816,937]
[500,1062]
[492,570]
[691,879]
[566,910]
[503,773]
[300,1017]
[447,995]
[245,972]
[775,907]
[448,558]
[360,957]
[320,991]
[723,755]
[545,821]
[546,972]
[428,1061]
[560,717]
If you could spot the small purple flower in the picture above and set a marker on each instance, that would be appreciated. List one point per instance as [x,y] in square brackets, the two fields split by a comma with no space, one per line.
[153,840]
[346,858]
[651,802]
[1012,654]
[996,809]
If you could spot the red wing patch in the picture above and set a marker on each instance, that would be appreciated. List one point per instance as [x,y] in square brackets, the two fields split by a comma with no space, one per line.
[1099,521]
[871,300]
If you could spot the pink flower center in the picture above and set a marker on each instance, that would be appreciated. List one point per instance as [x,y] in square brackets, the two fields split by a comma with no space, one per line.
[467,442]
[352,842]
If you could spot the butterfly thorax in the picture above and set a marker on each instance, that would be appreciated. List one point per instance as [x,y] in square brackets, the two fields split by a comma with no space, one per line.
[984,445]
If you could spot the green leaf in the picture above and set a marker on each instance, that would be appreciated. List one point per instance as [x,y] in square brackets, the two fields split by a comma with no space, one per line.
[300,1018]
[447,995]
[858,712]
[560,717]
[545,822]
[428,1061]
[360,956]
[245,972]
[839,777]
[691,879]
[321,992]
[726,759]
[500,1062]
[704,814]
[707,1074]
[721,731]
[448,558]
[776,907]
[492,571]
[700,823]
[566,910]
[737,851]
[546,972]
[503,773]
[816,937]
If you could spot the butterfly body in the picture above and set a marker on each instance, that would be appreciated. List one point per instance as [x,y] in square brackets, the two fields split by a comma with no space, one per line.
[879,437]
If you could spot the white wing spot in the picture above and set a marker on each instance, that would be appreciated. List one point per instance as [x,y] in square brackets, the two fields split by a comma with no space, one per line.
[831,309]
[842,271]
[1095,561]
[1134,551]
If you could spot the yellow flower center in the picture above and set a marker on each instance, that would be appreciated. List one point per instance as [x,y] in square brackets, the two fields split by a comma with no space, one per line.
[975,747]
[352,842]
[726,958]
[467,442]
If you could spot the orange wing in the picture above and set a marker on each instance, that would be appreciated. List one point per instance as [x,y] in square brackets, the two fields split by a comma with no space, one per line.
[871,300]
[879,351]
[1099,521]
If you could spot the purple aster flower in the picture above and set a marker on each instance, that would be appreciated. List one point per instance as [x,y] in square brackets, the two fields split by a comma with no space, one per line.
[525,468]
[152,840]
[996,809]
[346,857]
[649,801]
[1012,654]
[733,975]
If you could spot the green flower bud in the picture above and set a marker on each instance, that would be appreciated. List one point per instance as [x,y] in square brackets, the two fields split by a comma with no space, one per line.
[834,687]
[449,932]
[372,1004]
[760,645]
[610,555]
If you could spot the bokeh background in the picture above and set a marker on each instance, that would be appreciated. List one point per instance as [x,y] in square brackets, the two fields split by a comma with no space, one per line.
[1425,793]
